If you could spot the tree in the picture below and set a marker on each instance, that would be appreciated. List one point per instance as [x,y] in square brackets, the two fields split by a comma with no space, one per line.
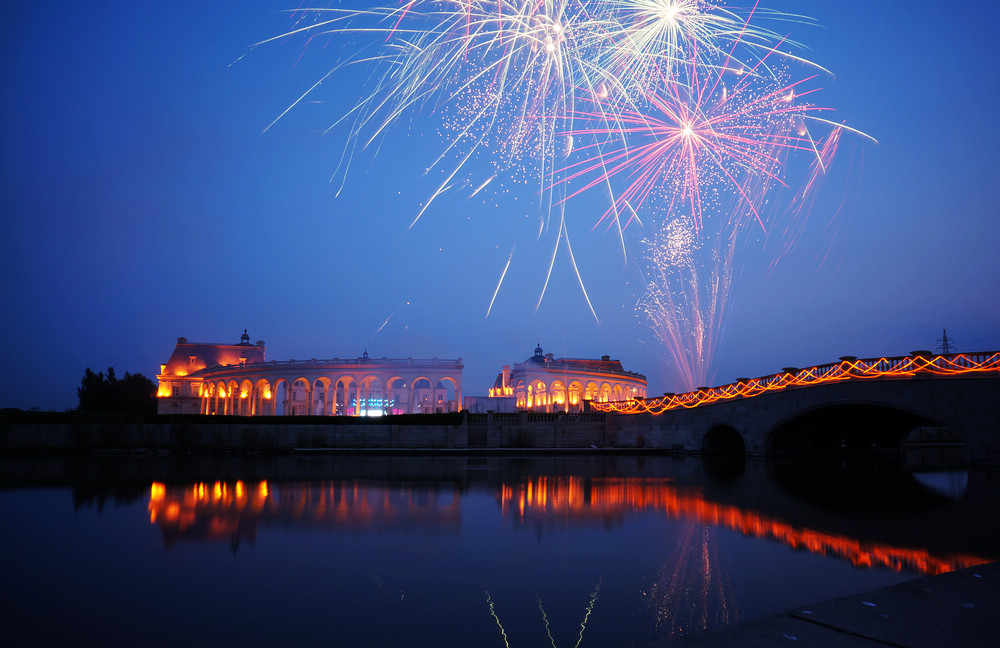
[133,394]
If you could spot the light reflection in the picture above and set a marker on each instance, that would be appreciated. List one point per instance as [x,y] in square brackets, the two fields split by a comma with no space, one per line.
[693,589]
[224,511]
[545,617]
[221,511]
[612,499]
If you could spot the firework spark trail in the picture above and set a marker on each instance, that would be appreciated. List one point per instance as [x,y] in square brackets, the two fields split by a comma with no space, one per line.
[702,150]
[500,282]
[563,236]
[694,132]
[532,59]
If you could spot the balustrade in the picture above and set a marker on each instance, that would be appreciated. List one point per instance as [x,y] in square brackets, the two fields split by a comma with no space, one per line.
[848,368]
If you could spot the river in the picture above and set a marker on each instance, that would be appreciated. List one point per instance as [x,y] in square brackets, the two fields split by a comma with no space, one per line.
[444,550]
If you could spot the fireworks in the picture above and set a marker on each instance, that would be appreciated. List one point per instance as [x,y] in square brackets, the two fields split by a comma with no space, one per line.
[685,111]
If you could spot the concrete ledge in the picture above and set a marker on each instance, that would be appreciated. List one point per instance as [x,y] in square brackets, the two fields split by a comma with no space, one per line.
[955,609]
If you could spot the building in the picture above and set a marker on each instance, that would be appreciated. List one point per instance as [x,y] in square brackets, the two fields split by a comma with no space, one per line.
[546,384]
[210,378]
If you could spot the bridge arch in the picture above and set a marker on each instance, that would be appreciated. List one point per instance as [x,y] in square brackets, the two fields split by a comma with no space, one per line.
[846,427]
[723,453]
[723,439]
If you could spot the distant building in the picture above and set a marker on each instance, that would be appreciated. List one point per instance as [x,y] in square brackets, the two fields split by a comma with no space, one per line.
[235,379]
[546,384]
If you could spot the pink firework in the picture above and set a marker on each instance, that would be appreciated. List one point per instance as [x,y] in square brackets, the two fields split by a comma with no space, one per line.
[698,135]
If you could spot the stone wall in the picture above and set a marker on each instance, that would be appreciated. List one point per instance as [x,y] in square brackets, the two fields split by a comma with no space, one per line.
[521,430]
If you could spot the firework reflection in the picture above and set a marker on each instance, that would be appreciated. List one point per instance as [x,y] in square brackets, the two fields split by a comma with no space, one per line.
[693,590]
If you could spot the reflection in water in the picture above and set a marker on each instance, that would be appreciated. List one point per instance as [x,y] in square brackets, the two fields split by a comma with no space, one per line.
[693,589]
[545,618]
[950,483]
[523,551]
[232,512]
[611,499]
[223,511]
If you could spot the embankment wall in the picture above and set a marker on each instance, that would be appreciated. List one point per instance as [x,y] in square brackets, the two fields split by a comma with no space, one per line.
[521,430]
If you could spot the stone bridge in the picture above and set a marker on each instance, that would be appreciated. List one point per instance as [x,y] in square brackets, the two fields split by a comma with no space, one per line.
[851,406]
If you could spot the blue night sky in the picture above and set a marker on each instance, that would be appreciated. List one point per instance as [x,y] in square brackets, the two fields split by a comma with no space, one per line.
[143,200]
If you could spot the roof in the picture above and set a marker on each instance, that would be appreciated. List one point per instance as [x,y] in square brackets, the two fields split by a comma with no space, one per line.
[192,356]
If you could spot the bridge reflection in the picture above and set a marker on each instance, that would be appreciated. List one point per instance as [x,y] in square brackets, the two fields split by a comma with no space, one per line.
[233,512]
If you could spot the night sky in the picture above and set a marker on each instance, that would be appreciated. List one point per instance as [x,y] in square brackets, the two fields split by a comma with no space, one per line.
[143,200]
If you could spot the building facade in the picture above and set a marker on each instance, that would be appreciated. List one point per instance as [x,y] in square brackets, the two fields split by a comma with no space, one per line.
[235,379]
[543,383]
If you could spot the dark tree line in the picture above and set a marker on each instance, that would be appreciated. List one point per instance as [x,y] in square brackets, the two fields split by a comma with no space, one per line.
[133,394]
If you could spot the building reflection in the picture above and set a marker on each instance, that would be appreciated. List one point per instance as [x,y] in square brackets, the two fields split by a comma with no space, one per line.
[233,512]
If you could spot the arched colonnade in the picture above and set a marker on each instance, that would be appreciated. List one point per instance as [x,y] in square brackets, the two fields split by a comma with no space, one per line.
[560,395]
[333,388]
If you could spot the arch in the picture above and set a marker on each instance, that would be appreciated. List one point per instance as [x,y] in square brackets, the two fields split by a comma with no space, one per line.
[279,397]
[397,395]
[848,427]
[434,394]
[371,399]
[521,394]
[318,396]
[263,398]
[541,395]
[298,397]
[232,397]
[723,453]
[341,401]
[723,439]
[558,397]
[574,396]
[449,393]
[244,398]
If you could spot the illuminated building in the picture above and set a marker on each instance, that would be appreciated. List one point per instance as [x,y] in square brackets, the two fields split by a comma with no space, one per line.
[546,384]
[235,379]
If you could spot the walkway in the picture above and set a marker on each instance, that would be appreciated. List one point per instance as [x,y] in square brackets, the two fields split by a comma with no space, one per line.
[959,608]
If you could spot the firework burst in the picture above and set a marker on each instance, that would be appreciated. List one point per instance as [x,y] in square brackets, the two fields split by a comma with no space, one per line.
[686,111]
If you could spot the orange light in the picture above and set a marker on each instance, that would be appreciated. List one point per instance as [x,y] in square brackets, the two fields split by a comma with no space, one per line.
[157,491]
[890,367]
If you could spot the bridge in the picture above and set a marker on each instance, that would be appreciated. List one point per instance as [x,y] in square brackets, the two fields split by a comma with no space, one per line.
[853,405]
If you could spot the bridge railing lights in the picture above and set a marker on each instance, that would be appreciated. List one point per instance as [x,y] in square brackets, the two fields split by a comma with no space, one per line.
[848,368]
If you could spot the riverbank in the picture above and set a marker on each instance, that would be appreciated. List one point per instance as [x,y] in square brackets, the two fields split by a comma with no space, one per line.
[953,609]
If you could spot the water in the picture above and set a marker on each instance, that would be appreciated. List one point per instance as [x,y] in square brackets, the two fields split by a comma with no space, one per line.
[525,551]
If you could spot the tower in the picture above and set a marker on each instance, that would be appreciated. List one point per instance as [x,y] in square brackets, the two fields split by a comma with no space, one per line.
[945,345]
